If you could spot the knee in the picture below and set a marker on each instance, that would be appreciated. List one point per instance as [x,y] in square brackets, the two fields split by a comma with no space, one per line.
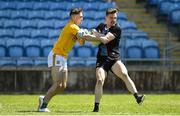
[100,81]
[62,86]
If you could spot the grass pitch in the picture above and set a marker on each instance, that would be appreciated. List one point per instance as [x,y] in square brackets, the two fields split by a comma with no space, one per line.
[70,104]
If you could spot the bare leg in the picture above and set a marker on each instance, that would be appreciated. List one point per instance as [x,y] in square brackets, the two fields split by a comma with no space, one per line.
[120,70]
[59,83]
[100,77]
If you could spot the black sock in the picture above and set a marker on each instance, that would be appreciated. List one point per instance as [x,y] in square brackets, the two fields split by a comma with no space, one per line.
[136,95]
[44,105]
[96,104]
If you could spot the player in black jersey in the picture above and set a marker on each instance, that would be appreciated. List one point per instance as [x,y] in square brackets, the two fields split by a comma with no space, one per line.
[108,57]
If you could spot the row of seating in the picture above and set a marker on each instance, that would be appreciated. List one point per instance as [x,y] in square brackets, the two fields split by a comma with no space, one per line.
[64,5]
[49,15]
[168,8]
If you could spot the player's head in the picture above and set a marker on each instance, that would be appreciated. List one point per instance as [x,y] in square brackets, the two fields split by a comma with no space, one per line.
[76,15]
[111,16]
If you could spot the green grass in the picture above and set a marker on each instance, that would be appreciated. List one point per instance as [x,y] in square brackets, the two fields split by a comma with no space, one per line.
[83,105]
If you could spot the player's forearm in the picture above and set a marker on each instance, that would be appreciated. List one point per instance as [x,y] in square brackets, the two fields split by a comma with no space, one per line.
[89,37]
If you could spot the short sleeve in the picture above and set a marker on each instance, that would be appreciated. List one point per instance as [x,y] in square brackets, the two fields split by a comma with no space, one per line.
[116,31]
[74,29]
[99,27]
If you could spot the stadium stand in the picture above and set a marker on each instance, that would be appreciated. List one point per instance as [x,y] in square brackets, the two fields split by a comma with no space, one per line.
[30,28]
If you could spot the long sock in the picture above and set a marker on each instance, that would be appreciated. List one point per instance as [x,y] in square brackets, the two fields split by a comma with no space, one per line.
[136,95]
[44,105]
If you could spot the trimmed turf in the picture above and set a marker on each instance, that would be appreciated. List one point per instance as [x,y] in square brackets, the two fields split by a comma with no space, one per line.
[83,105]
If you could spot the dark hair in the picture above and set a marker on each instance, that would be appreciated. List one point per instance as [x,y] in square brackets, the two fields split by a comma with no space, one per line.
[75,11]
[111,11]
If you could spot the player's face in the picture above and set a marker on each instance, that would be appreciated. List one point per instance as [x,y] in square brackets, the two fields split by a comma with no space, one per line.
[111,19]
[79,18]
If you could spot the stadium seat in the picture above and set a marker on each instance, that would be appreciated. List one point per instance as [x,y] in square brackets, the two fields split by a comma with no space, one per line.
[165,6]
[6,33]
[22,34]
[53,34]
[40,62]
[3,48]
[45,24]
[41,6]
[36,15]
[5,15]
[174,16]
[7,62]
[122,16]
[139,35]
[46,45]
[15,47]
[72,53]
[39,34]
[28,5]
[5,5]
[19,15]
[25,62]
[126,25]
[134,49]
[28,24]
[151,49]
[84,52]
[32,48]
[104,6]
[59,24]
[11,24]
[99,15]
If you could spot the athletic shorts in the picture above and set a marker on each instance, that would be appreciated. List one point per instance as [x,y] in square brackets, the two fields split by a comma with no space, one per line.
[105,62]
[57,60]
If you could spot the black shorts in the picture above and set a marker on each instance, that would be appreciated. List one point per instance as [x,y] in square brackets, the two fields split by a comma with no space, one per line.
[105,62]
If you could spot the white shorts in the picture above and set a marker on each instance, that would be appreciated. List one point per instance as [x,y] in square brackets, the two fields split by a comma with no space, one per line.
[57,60]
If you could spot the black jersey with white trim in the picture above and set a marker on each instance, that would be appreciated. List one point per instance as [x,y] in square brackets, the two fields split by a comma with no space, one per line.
[110,49]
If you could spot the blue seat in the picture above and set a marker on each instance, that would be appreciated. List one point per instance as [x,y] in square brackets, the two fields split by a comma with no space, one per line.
[45,24]
[139,34]
[22,34]
[89,14]
[15,47]
[74,61]
[39,34]
[84,52]
[19,14]
[7,62]
[8,5]
[59,24]
[41,6]
[47,45]
[36,15]
[174,16]
[151,49]
[104,6]
[122,16]
[3,48]
[126,25]
[91,62]
[134,49]
[32,48]
[52,15]
[11,24]
[40,62]
[99,15]
[5,15]
[53,34]
[153,2]
[25,62]
[6,33]
[28,24]
[54,6]
[165,7]
[27,5]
